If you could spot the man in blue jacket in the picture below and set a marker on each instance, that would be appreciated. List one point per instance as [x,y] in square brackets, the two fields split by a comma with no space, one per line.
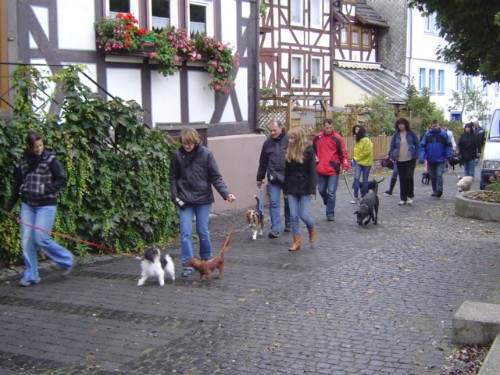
[436,149]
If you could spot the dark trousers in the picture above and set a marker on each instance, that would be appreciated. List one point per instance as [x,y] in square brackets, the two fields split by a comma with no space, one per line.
[406,169]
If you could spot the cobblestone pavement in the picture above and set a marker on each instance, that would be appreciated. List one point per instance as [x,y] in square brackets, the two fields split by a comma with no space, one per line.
[362,300]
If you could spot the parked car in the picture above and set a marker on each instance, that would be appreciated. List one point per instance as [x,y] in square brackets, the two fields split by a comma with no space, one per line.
[491,151]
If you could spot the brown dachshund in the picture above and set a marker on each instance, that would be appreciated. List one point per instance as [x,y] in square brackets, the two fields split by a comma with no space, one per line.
[206,267]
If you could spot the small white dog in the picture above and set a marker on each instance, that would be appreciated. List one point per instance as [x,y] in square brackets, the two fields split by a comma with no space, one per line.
[465,183]
[154,265]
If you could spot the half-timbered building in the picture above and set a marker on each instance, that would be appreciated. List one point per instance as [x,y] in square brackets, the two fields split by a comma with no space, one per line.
[55,33]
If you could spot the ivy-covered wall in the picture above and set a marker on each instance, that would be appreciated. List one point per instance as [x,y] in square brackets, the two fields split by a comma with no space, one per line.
[117,193]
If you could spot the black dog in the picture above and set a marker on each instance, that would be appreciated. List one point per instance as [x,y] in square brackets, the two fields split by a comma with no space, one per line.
[426,178]
[368,209]
[373,184]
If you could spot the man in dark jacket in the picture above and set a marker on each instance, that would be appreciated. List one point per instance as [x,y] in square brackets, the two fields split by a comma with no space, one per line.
[436,149]
[272,163]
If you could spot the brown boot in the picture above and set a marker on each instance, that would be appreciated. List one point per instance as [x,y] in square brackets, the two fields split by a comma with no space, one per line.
[296,243]
[312,234]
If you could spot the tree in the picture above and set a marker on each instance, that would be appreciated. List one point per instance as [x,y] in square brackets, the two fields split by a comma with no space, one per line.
[379,115]
[469,100]
[472,29]
[421,110]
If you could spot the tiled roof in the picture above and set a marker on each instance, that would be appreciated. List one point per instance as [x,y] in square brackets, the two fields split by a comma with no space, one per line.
[369,16]
[374,79]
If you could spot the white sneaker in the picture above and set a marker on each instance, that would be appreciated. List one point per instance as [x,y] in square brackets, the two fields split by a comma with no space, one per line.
[354,201]
[402,203]
[409,202]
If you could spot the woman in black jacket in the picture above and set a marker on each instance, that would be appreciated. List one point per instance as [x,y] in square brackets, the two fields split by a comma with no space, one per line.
[469,149]
[193,172]
[300,184]
[37,180]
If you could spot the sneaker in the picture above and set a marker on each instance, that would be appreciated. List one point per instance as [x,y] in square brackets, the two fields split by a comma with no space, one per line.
[330,218]
[25,283]
[434,194]
[273,234]
[402,203]
[354,201]
[439,193]
[187,272]
[288,228]
[409,202]
[66,271]
[387,193]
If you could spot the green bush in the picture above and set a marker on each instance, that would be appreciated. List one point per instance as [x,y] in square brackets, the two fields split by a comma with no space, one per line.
[117,193]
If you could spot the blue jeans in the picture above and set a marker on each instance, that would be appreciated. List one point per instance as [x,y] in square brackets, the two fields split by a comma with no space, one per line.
[299,208]
[274,191]
[469,167]
[40,217]
[327,188]
[358,171]
[202,213]
[436,171]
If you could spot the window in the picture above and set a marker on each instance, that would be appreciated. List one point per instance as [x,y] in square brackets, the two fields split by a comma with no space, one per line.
[440,86]
[459,81]
[197,19]
[315,71]
[355,37]
[118,6]
[160,13]
[432,81]
[421,79]
[296,12]
[430,24]
[366,40]
[344,39]
[296,70]
[316,13]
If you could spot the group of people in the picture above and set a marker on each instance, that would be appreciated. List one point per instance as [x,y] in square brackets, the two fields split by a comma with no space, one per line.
[292,165]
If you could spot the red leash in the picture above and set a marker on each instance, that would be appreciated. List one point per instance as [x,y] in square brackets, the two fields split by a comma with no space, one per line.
[65,235]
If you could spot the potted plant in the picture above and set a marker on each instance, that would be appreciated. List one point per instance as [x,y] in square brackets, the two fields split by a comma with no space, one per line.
[120,33]
[169,47]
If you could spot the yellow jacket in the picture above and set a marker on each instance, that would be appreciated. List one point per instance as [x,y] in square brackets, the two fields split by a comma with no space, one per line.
[363,152]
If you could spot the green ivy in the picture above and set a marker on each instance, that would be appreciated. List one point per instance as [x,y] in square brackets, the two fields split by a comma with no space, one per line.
[117,192]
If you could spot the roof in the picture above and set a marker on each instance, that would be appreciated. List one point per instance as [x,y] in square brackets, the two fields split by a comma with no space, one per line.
[369,16]
[373,78]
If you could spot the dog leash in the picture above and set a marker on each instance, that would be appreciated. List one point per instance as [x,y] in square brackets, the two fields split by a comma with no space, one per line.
[68,237]
[347,184]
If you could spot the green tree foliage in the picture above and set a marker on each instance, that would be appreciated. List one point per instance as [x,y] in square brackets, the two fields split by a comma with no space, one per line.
[379,116]
[117,193]
[470,100]
[421,111]
[472,31]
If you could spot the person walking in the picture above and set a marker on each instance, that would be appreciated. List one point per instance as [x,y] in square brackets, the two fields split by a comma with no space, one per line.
[300,184]
[468,149]
[404,151]
[272,164]
[362,160]
[37,180]
[394,179]
[331,158]
[193,172]
[436,148]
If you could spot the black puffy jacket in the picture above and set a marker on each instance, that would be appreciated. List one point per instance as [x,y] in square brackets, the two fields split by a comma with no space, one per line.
[301,179]
[272,159]
[192,175]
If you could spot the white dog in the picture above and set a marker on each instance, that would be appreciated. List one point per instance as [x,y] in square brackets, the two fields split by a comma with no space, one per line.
[465,183]
[154,265]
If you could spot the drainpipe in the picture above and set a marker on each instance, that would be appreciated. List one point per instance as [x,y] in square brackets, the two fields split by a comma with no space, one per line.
[410,42]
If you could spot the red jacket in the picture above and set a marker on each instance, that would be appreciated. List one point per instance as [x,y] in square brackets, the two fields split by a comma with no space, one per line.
[331,153]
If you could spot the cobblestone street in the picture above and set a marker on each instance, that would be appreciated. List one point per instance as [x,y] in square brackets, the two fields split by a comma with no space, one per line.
[362,300]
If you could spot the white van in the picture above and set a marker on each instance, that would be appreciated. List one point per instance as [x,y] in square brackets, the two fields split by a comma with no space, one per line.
[491,151]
